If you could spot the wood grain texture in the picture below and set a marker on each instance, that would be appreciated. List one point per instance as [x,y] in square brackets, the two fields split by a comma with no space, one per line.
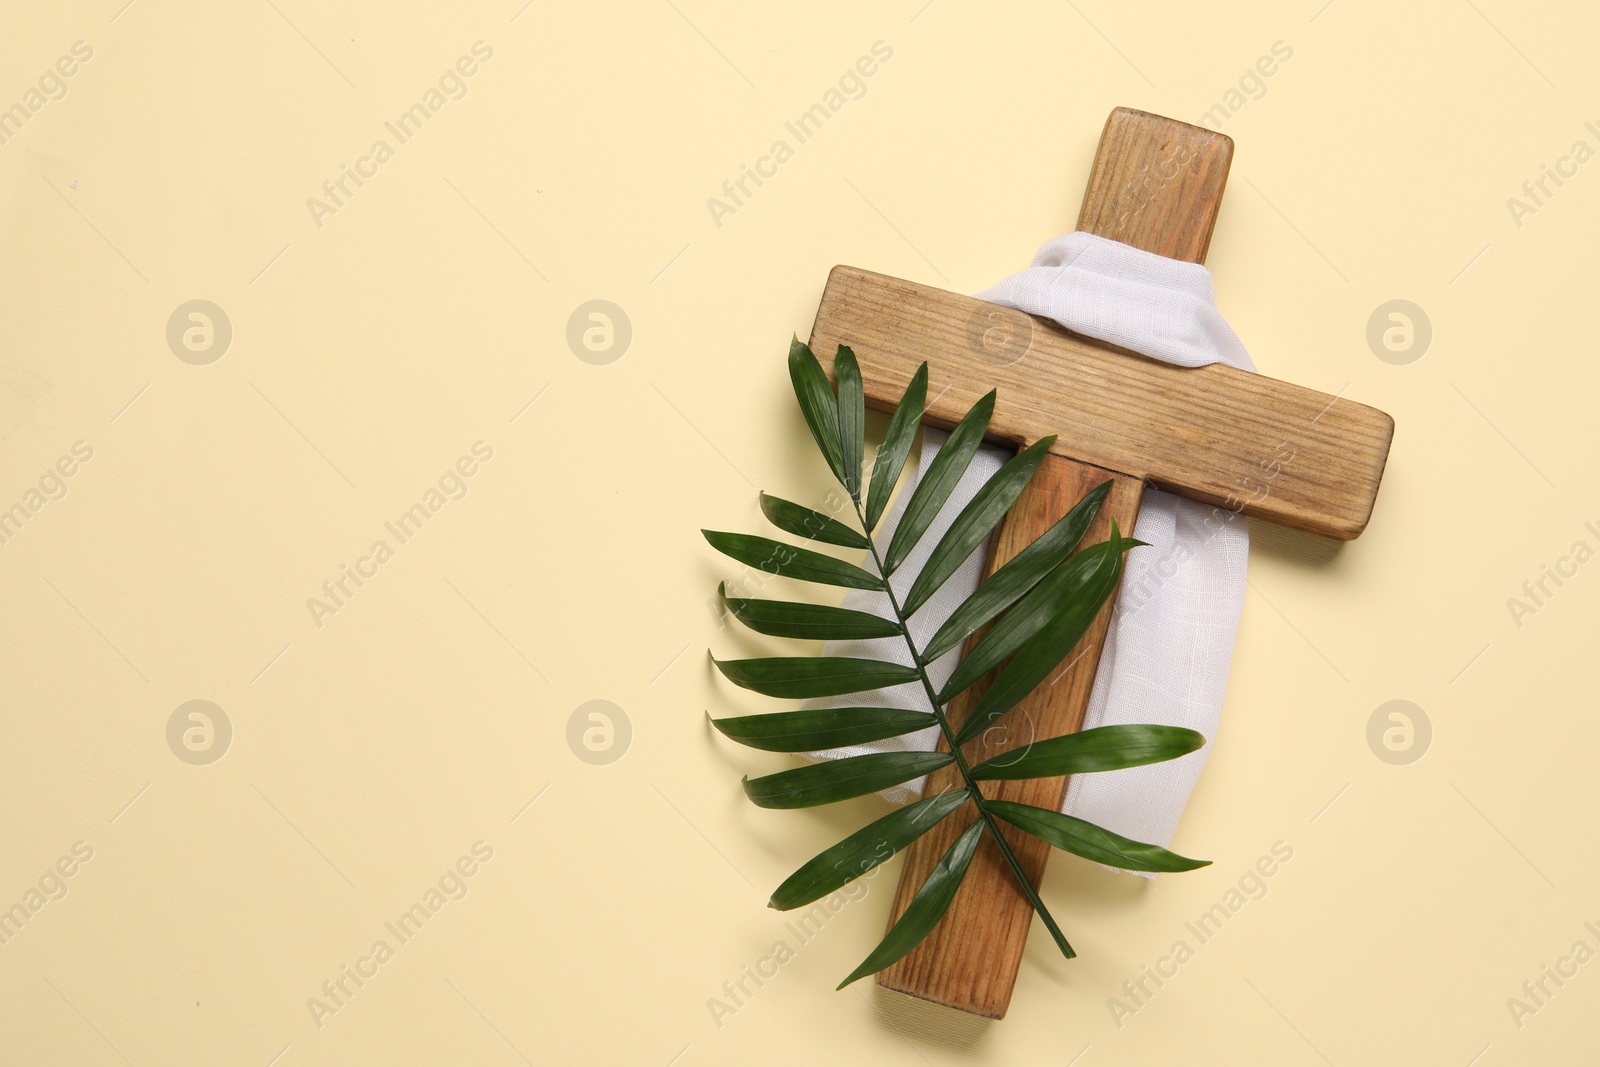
[1156,184]
[1290,455]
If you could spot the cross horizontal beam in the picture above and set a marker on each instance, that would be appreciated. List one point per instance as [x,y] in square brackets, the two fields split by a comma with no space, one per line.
[1283,453]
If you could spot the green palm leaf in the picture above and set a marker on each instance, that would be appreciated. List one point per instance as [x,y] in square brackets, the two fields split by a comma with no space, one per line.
[807,622]
[1090,841]
[819,728]
[775,557]
[1034,661]
[1105,748]
[1036,608]
[1006,585]
[896,446]
[941,477]
[1071,586]
[802,677]
[927,907]
[875,843]
[840,779]
[811,525]
[817,404]
[981,515]
[852,419]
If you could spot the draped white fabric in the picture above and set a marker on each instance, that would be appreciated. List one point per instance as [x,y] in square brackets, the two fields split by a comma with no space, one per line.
[1171,638]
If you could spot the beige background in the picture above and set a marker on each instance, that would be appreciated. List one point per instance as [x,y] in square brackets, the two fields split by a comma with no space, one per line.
[371,352]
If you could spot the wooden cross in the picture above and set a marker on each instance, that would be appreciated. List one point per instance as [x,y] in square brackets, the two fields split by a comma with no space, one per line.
[1239,441]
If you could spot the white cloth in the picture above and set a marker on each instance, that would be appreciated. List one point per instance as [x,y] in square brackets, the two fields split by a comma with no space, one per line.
[1168,649]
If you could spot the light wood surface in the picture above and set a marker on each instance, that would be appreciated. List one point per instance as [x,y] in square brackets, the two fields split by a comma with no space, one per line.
[1156,184]
[1216,434]
[1290,455]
